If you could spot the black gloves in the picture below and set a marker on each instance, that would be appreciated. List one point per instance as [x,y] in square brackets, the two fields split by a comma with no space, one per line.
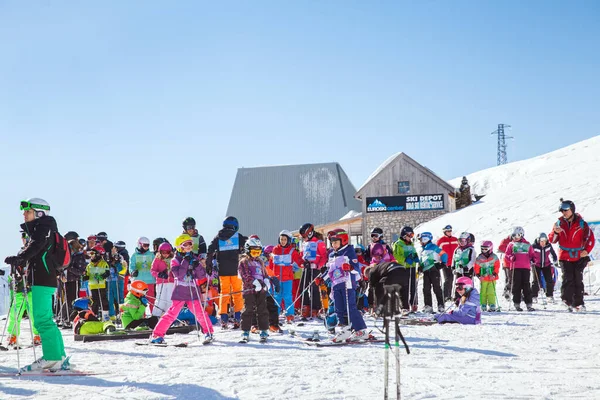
[85,278]
[439,265]
[324,270]
[135,273]
[209,270]
[14,260]
[306,264]
[193,264]
[105,275]
[163,274]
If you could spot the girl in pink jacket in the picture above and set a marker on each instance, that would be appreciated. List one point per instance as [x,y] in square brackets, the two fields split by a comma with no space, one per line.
[519,255]
[161,271]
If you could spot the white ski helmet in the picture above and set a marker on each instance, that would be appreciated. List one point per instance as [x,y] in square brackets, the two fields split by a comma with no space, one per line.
[518,231]
[40,206]
[142,241]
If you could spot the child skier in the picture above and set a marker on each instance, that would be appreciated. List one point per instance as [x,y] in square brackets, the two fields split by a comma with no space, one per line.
[164,278]
[18,308]
[487,267]
[186,269]
[134,309]
[96,274]
[255,283]
[85,321]
[432,260]
[140,266]
[344,272]
[282,262]
[544,257]
[468,311]
[519,254]
[406,255]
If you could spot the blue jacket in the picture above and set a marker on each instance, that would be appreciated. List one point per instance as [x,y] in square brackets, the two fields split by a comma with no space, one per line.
[142,262]
[431,255]
[346,251]
[470,308]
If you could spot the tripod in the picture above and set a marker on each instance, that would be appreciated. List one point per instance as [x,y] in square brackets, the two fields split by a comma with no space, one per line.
[391,312]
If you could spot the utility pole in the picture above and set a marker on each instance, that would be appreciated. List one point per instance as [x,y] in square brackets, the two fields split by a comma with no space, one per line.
[502,159]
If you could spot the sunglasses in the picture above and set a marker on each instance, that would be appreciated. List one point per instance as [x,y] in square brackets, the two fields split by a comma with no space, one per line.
[26,205]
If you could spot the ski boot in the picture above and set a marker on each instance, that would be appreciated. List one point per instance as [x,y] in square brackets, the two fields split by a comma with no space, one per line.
[535,300]
[441,309]
[254,329]
[289,319]
[483,308]
[275,329]
[492,308]
[158,340]
[263,336]
[551,300]
[518,307]
[208,338]
[428,310]
[42,364]
[236,324]
[12,340]
[580,308]
[245,337]
[343,335]
[37,340]
[359,336]
[530,308]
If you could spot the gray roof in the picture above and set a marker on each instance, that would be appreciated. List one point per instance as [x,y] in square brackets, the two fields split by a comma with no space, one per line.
[267,200]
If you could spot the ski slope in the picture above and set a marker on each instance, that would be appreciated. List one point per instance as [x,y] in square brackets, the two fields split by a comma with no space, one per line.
[547,354]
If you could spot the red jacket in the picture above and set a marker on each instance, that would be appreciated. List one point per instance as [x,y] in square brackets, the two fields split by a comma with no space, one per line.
[575,237]
[316,256]
[448,244]
[282,261]
[502,249]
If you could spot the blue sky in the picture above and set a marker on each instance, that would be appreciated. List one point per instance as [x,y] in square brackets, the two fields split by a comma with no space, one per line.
[130,116]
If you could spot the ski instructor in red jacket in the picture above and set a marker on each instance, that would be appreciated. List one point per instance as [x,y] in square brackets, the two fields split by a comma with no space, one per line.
[575,241]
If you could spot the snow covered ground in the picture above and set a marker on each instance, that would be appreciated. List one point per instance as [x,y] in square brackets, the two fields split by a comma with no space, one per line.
[547,354]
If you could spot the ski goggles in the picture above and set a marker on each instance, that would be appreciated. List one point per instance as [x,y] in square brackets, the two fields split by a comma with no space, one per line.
[517,236]
[484,249]
[145,245]
[255,252]
[409,235]
[189,227]
[460,286]
[565,207]
[189,243]
[27,205]
[376,235]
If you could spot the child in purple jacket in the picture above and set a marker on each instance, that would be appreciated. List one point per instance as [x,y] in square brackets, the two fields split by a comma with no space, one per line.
[256,284]
[469,309]
[188,272]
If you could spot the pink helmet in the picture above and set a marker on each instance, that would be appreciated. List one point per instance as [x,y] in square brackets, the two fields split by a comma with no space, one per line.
[268,249]
[377,250]
[165,246]
[488,244]
[465,281]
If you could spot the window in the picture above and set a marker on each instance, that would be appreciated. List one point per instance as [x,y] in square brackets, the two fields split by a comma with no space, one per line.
[403,187]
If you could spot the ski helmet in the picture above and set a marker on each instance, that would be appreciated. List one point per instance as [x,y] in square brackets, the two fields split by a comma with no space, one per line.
[157,242]
[426,237]
[517,231]
[268,249]
[447,228]
[341,235]
[40,206]
[71,235]
[307,230]
[82,242]
[377,233]
[138,288]
[96,253]
[488,246]
[253,243]
[465,282]
[181,239]
[377,250]
[407,231]
[543,236]
[143,242]
[188,223]
[101,236]
[566,205]
[359,249]
[287,234]
[231,223]
[82,303]
[165,246]
[465,239]
[119,244]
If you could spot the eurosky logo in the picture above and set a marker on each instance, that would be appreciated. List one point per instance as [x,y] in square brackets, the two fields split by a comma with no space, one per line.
[376,205]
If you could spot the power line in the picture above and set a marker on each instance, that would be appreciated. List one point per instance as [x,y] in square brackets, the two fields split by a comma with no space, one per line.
[502,159]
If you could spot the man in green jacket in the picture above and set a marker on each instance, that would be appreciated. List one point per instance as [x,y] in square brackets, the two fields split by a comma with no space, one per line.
[36,263]
[406,255]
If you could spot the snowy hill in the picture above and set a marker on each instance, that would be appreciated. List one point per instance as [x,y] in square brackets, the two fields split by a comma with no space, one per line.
[527,193]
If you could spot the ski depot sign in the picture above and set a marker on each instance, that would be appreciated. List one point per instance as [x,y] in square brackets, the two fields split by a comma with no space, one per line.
[425,202]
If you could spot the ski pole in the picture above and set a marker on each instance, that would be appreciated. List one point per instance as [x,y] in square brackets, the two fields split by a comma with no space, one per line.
[12,300]
[29,310]
[305,289]
[204,313]
[194,305]
[537,278]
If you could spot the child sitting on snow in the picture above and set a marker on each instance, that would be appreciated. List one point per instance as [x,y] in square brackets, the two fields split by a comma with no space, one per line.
[134,308]
[85,321]
[468,311]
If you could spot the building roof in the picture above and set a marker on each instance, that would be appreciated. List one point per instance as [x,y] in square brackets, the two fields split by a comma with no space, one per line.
[391,161]
[267,200]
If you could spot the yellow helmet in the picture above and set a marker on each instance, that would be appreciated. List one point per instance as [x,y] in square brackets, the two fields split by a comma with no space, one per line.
[182,239]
